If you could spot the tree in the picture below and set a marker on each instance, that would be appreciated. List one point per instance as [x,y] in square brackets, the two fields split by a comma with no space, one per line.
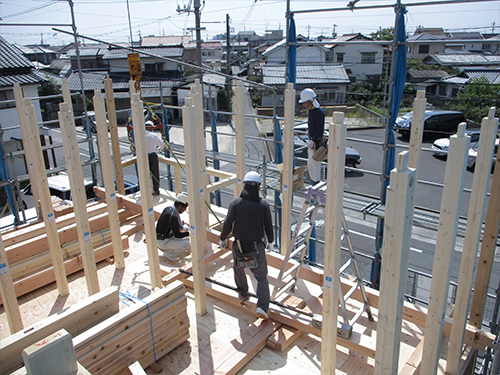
[419,65]
[476,98]
[383,34]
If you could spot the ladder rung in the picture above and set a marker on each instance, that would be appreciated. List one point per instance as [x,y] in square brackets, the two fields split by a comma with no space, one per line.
[346,264]
[298,250]
[304,230]
[282,290]
[291,270]
[351,291]
[309,209]
[357,315]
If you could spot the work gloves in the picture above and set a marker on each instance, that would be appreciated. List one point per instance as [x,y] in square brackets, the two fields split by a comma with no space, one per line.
[311,145]
[223,244]
[270,246]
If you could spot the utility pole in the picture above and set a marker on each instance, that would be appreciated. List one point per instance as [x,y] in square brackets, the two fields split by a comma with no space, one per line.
[197,16]
[334,34]
[228,62]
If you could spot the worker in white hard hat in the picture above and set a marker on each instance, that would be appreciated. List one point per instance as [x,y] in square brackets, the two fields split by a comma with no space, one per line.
[171,233]
[154,143]
[316,128]
[249,220]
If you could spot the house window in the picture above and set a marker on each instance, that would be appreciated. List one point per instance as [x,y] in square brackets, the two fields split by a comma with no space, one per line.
[454,92]
[408,49]
[156,67]
[329,56]
[368,58]
[340,57]
[487,47]
[442,90]
[424,48]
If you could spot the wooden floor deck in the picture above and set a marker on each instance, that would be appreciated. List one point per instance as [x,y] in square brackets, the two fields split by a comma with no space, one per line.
[230,338]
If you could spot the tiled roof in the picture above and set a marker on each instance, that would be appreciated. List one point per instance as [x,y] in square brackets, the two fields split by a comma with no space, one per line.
[148,41]
[11,58]
[23,79]
[306,74]
[171,52]
[459,59]
[492,76]
[427,73]
[85,52]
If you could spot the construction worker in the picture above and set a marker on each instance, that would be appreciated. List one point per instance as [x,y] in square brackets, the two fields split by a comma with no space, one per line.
[171,232]
[154,143]
[316,128]
[249,219]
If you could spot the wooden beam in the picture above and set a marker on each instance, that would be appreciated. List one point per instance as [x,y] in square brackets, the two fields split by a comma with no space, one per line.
[333,241]
[414,362]
[486,141]
[74,319]
[488,245]
[445,244]
[192,134]
[146,190]
[38,169]
[239,122]
[283,338]
[8,294]
[287,186]
[417,129]
[113,132]
[395,253]
[107,177]
[221,184]
[136,369]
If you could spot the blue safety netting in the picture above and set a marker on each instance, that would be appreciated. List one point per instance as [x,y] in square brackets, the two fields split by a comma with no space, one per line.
[292,53]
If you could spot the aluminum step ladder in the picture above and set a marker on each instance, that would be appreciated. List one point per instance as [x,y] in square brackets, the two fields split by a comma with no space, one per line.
[297,248]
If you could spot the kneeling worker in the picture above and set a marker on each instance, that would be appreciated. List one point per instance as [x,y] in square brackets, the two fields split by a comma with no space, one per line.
[249,219]
[171,233]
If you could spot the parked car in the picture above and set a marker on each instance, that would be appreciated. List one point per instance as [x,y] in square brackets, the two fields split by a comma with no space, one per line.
[471,158]
[436,122]
[441,145]
[59,187]
[352,157]
[92,121]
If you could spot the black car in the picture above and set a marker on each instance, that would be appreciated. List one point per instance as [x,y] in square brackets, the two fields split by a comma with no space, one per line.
[436,123]
[352,157]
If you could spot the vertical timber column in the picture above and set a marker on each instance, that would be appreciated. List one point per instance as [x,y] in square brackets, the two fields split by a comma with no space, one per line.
[489,128]
[333,221]
[38,168]
[239,108]
[417,129]
[8,294]
[287,191]
[18,95]
[395,250]
[192,141]
[141,150]
[445,243]
[107,177]
[113,131]
[79,197]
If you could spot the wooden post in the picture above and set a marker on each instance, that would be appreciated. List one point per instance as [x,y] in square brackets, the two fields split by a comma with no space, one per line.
[239,121]
[489,128]
[146,190]
[18,95]
[192,135]
[487,250]
[8,294]
[38,169]
[333,221]
[107,177]
[177,179]
[445,243]
[395,251]
[417,129]
[287,190]
[113,131]
[78,195]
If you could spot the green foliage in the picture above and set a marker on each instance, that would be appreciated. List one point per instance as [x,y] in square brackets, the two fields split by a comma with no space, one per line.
[254,79]
[364,93]
[90,104]
[383,34]
[419,65]
[476,98]
[191,72]
[49,87]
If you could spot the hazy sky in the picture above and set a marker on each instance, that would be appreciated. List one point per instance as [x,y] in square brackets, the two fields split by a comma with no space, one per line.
[108,19]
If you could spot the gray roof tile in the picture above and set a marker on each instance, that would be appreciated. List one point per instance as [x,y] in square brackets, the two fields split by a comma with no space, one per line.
[171,52]
[306,74]
[12,58]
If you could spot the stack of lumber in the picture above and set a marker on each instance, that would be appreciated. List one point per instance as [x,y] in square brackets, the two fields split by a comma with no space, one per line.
[74,319]
[111,346]
[28,252]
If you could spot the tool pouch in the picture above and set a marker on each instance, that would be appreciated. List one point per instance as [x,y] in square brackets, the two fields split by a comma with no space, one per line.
[247,254]
[322,151]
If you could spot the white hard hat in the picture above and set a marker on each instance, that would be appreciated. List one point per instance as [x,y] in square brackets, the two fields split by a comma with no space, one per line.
[182,198]
[149,123]
[252,177]
[306,95]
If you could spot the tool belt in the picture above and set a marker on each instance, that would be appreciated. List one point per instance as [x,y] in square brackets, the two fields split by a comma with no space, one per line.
[247,255]
[161,237]
[321,150]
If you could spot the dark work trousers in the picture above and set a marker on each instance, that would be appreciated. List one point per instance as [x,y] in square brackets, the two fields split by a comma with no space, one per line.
[155,170]
[260,274]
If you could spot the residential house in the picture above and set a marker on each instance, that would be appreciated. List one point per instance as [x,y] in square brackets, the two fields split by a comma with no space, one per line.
[91,58]
[15,68]
[421,79]
[38,54]
[276,54]
[463,60]
[329,81]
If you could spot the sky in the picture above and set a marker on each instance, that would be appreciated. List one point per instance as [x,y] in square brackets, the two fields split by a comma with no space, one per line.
[108,20]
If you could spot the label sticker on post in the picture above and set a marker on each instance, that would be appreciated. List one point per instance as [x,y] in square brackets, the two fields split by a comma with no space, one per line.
[3,269]
[113,197]
[285,188]
[201,193]
[150,211]
[86,235]
[51,217]
[328,282]
[239,181]
[192,230]
[204,173]
[31,166]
